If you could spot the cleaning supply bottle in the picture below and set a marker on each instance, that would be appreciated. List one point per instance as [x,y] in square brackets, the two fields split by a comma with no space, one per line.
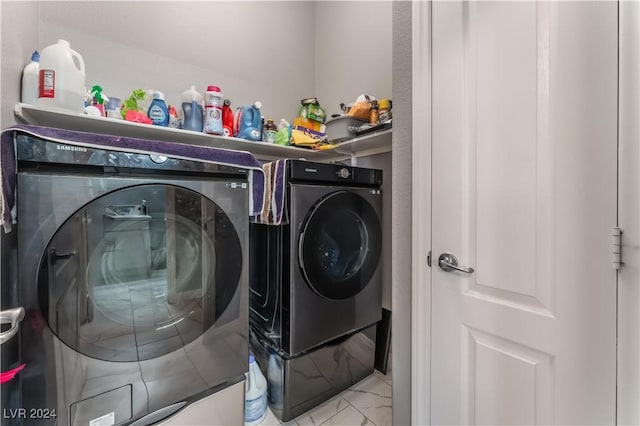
[192,113]
[247,122]
[61,78]
[384,110]
[213,101]
[227,118]
[283,135]
[158,111]
[97,99]
[29,92]
[255,400]
[269,132]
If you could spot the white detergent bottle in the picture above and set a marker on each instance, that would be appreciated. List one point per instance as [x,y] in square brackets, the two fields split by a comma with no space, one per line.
[62,78]
[29,92]
[255,399]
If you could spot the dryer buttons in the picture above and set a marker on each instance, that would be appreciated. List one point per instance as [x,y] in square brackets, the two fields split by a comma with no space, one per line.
[344,173]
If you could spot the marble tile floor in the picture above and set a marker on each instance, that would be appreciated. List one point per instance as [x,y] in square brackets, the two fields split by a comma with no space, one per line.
[368,402]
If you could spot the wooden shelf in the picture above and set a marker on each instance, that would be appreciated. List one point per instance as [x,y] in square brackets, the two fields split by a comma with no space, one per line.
[370,144]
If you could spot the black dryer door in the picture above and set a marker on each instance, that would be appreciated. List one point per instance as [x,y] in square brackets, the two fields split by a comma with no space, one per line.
[340,244]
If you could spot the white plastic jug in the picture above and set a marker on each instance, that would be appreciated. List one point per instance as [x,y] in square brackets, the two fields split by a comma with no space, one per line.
[255,400]
[30,75]
[62,78]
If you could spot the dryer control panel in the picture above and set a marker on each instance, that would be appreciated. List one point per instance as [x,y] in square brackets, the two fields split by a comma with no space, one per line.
[311,172]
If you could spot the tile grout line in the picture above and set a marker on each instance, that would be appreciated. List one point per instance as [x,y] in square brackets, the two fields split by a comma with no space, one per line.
[339,411]
[364,415]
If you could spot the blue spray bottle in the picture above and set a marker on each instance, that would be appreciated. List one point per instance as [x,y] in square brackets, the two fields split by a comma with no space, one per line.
[158,111]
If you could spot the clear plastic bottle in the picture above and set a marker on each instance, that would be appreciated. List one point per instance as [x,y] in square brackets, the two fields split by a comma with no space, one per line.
[192,113]
[255,400]
[269,131]
[29,92]
[213,102]
[158,111]
[373,117]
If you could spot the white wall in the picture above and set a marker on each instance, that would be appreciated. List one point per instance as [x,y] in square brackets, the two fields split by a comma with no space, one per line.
[19,38]
[251,50]
[352,51]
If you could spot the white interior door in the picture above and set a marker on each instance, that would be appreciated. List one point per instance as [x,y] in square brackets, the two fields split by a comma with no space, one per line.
[524,191]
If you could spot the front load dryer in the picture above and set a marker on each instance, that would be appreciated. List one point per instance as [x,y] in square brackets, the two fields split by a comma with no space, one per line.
[318,277]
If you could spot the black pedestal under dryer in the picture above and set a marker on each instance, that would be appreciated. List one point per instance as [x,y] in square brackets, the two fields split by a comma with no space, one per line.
[319,277]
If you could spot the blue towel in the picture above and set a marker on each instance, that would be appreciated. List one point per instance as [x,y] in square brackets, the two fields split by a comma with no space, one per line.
[221,156]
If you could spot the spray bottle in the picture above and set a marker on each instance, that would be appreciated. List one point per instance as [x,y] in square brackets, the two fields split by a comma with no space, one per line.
[158,111]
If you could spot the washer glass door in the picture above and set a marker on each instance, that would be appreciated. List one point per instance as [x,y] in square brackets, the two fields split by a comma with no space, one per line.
[139,272]
[339,247]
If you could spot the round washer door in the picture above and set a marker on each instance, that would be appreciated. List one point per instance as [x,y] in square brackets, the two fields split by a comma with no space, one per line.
[139,273]
[340,244]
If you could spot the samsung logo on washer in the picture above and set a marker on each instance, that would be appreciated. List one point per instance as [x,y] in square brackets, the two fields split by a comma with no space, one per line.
[71,148]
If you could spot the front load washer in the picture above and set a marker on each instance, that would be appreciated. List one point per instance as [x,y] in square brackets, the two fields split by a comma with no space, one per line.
[133,272]
[317,277]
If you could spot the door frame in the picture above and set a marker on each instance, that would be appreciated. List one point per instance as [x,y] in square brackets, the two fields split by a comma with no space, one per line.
[421,213]
[628,411]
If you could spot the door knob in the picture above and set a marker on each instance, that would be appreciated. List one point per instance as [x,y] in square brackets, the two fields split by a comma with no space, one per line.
[449,262]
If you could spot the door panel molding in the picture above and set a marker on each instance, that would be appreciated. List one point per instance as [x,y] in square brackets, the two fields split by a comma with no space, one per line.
[493,362]
[498,104]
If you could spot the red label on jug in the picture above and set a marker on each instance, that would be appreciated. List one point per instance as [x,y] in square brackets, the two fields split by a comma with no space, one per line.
[47,84]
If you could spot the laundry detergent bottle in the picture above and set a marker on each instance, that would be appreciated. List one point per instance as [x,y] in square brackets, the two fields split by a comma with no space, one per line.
[192,112]
[247,122]
[255,400]
[61,78]
[158,111]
